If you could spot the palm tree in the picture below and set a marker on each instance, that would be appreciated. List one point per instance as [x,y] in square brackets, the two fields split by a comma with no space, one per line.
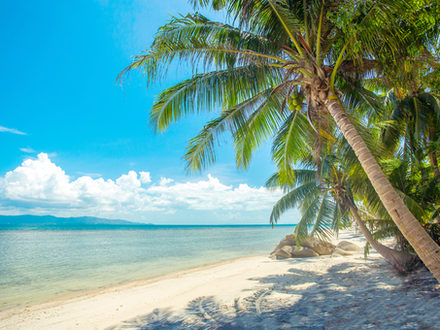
[415,125]
[411,116]
[411,121]
[321,214]
[415,184]
[325,201]
[279,49]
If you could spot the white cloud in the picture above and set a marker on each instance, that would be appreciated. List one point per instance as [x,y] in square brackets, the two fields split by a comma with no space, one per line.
[39,186]
[145,177]
[38,179]
[164,181]
[11,130]
[91,174]
[27,150]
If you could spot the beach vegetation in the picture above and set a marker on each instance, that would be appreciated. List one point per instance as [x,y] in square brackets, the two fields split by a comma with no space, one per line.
[326,200]
[326,61]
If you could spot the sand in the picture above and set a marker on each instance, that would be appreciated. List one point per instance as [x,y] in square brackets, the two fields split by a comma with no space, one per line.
[252,292]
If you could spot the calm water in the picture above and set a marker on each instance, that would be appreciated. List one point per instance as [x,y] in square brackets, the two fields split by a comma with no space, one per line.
[36,265]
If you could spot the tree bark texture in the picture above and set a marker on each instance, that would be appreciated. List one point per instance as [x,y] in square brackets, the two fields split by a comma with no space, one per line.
[401,261]
[412,230]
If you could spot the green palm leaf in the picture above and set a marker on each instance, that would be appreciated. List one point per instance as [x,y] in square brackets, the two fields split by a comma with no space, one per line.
[207,92]
[292,198]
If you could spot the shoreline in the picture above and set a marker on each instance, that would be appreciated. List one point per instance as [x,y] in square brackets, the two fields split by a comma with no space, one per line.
[53,264]
[26,317]
[87,293]
[250,292]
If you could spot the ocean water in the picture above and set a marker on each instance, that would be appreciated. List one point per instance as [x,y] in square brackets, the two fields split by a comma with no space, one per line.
[37,265]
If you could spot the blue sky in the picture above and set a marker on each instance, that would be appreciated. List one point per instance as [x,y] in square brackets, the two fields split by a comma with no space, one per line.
[59,63]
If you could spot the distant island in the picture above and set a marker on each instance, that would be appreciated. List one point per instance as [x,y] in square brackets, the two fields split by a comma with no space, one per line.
[51,222]
[48,220]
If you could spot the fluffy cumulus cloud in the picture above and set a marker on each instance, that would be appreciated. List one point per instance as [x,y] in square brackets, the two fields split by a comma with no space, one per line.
[39,186]
[144,177]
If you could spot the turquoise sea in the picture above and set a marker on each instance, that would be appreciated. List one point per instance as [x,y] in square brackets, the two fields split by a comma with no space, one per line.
[39,264]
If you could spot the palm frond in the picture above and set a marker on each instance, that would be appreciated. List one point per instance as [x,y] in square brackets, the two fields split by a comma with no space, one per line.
[300,177]
[200,150]
[323,223]
[209,91]
[291,199]
[261,124]
[291,144]
[197,40]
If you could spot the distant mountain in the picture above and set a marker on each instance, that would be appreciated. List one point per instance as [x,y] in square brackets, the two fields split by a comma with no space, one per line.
[51,220]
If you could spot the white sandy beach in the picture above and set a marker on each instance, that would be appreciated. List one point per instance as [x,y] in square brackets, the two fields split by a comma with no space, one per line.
[252,292]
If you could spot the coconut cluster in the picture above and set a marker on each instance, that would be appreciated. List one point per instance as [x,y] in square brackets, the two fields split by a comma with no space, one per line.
[296,101]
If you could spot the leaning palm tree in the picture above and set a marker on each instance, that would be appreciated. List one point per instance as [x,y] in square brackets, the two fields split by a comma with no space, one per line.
[279,49]
[325,199]
[321,214]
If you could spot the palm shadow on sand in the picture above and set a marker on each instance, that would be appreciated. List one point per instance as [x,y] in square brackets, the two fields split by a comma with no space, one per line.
[347,296]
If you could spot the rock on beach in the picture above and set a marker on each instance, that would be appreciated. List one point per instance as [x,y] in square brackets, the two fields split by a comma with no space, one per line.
[288,247]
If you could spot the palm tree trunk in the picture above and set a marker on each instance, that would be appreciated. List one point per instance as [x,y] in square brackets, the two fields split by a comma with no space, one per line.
[419,239]
[433,161]
[432,154]
[402,262]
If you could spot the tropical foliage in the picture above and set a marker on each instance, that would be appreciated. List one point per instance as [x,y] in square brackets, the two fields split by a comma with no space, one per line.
[317,78]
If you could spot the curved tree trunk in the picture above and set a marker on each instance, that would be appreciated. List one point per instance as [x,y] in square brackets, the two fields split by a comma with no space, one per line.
[402,262]
[419,239]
